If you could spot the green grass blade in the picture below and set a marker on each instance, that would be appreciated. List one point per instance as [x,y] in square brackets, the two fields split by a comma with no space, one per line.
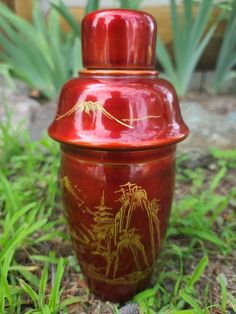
[224,297]
[193,60]
[30,277]
[5,291]
[217,179]
[198,272]
[21,234]
[226,59]
[67,15]
[9,193]
[10,222]
[43,285]
[200,23]
[77,57]
[92,6]
[204,235]
[54,297]
[45,259]
[165,59]
[20,213]
[191,311]
[187,17]
[177,40]
[130,4]
[60,71]
[191,301]
[69,301]
[38,18]
[29,290]
[232,302]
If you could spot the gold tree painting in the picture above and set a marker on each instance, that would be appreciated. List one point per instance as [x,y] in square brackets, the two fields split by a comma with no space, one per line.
[111,235]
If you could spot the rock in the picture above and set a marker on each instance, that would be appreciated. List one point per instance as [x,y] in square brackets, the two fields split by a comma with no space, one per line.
[212,122]
[132,308]
[42,120]
[23,110]
[17,106]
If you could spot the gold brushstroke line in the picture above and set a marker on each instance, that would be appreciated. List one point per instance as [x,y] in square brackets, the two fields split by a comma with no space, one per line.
[141,118]
[128,279]
[90,106]
[110,116]
[69,186]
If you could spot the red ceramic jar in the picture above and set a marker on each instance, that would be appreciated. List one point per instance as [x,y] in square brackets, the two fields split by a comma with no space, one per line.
[118,124]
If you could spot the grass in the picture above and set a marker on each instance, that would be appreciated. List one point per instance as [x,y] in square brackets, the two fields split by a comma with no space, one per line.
[39,273]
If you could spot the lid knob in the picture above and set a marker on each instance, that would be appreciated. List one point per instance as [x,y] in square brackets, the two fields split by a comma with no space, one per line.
[118,39]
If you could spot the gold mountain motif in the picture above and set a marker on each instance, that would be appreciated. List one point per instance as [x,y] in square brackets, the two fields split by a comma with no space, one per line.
[91,107]
[110,235]
[94,106]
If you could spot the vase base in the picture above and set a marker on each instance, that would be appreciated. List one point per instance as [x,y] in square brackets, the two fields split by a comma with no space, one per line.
[117,293]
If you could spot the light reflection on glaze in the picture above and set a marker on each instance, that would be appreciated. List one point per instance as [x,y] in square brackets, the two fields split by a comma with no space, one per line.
[126,103]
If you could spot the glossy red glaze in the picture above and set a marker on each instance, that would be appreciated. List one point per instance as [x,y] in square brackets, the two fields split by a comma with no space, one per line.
[118,132]
[118,39]
[139,183]
[125,111]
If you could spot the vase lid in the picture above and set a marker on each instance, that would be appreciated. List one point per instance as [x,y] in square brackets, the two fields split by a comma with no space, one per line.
[119,39]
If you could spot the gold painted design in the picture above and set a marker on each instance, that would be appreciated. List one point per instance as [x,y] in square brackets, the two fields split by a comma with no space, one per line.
[126,279]
[110,236]
[141,118]
[91,107]
[94,106]
[73,190]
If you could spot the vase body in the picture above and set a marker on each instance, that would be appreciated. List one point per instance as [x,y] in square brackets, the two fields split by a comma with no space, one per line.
[118,130]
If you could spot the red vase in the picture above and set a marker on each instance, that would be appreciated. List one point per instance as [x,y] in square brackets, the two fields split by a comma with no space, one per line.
[118,124]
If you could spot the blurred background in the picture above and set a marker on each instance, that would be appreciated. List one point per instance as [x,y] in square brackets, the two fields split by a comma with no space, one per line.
[40,50]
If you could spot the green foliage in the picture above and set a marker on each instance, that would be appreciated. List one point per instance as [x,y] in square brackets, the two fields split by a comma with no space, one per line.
[202,209]
[38,53]
[34,275]
[190,38]
[130,4]
[185,295]
[5,69]
[198,217]
[225,66]
[69,18]
[92,6]
[28,172]
[223,282]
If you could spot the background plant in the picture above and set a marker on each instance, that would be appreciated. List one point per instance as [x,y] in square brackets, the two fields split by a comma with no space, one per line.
[130,4]
[91,6]
[190,38]
[37,273]
[226,61]
[35,52]
[38,53]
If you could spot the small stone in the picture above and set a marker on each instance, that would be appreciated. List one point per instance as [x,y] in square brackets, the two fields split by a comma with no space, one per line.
[212,167]
[210,125]
[42,120]
[130,309]
[16,106]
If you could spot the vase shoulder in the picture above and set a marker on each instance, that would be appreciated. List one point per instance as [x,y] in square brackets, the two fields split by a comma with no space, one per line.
[118,111]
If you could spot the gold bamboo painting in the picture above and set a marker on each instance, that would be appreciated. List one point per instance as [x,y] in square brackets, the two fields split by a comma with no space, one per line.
[112,235]
[90,107]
